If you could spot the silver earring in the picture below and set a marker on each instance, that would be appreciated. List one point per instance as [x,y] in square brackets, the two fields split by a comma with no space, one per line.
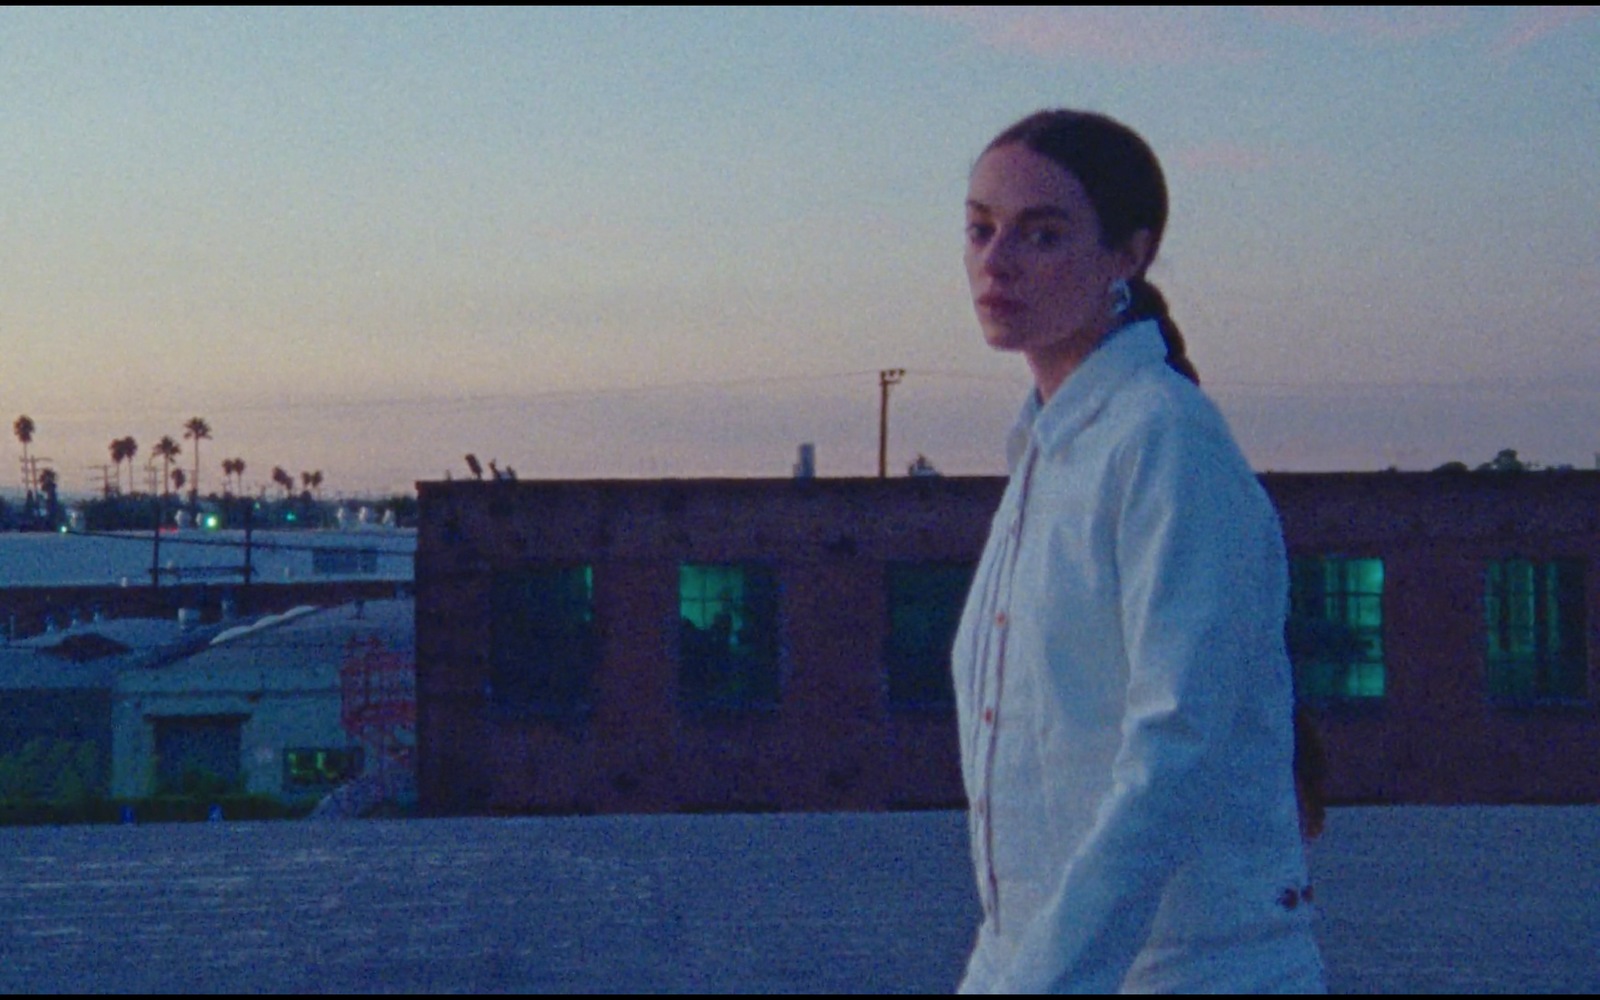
[1121,297]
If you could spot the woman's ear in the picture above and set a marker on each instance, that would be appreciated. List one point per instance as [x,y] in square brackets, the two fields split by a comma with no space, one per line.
[1136,253]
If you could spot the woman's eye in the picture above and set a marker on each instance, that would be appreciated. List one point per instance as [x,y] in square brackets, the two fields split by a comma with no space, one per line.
[1044,239]
[979,232]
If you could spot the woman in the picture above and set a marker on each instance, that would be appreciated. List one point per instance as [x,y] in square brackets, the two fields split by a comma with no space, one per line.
[1124,695]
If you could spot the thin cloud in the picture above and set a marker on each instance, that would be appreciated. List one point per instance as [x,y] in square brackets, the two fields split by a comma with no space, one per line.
[1121,35]
[1225,157]
[1531,25]
[1373,24]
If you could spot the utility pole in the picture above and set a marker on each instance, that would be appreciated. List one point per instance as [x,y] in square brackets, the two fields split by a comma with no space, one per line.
[155,545]
[886,378]
[249,526]
[105,479]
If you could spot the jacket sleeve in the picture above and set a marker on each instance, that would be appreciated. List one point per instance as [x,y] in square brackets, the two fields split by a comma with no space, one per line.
[1195,541]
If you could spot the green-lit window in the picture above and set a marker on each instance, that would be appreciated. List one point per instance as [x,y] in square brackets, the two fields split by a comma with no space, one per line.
[727,636]
[1336,628]
[306,767]
[542,640]
[925,601]
[1536,622]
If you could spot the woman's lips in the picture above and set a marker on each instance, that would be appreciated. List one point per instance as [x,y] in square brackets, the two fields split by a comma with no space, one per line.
[998,305]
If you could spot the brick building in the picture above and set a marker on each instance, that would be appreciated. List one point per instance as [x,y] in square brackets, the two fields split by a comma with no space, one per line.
[689,645]
[1467,602]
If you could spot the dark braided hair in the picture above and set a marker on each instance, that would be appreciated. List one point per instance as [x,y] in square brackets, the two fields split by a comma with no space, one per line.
[1123,181]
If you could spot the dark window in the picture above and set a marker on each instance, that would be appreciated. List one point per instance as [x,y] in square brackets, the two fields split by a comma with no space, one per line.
[344,562]
[320,768]
[925,602]
[1536,622]
[198,755]
[727,636]
[543,642]
[1335,631]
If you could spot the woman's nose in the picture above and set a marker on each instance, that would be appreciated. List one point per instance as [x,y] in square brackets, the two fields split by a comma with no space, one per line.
[998,255]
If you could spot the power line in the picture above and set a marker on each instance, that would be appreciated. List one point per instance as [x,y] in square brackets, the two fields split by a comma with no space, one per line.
[258,546]
[497,399]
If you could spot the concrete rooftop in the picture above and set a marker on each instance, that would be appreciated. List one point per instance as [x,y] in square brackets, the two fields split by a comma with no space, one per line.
[1412,900]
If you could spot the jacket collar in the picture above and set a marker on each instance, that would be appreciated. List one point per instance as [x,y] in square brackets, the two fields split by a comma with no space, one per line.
[1084,394]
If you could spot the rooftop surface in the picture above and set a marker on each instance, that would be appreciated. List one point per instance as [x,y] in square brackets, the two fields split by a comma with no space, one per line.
[49,559]
[1462,899]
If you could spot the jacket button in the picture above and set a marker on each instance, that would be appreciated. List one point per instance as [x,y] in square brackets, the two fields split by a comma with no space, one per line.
[988,716]
[1000,619]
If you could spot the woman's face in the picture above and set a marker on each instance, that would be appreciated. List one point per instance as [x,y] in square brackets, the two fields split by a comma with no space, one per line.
[1041,281]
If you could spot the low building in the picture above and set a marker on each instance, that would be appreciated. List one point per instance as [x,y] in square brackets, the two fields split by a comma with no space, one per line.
[644,646]
[288,705]
[282,706]
[177,556]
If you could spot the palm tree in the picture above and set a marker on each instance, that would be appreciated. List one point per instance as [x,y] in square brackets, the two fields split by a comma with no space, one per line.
[48,486]
[199,430]
[178,479]
[117,455]
[123,450]
[130,448]
[167,450]
[234,467]
[24,428]
[283,479]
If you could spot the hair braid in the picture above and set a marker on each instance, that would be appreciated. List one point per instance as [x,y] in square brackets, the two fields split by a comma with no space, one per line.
[1148,303]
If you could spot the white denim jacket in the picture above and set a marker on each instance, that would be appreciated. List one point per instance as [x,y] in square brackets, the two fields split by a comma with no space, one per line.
[1125,701]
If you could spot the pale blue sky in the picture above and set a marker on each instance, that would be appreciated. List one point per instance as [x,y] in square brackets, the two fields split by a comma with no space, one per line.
[666,242]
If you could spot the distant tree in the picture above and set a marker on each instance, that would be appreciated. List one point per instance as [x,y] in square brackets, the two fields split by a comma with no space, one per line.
[116,463]
[130,448]
[122,450]
[197,430]
[23,429]
[283,479]
[1506,461]
[234,467]
[403,506]
[49,488]
[60,772]
[312,481]
[167,450]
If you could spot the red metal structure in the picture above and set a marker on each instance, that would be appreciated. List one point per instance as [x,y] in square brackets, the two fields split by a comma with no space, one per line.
[378,709]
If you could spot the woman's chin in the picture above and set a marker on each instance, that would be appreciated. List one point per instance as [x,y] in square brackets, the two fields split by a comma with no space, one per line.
[1003,339]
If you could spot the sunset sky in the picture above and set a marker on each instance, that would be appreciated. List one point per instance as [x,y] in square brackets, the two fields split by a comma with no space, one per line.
[623,243]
